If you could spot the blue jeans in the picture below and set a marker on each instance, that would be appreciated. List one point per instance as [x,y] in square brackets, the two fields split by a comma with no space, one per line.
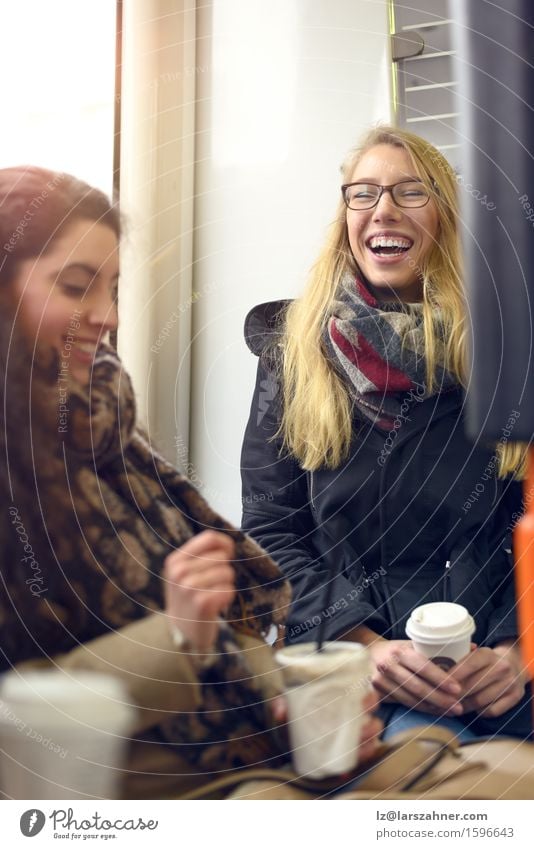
[403,718]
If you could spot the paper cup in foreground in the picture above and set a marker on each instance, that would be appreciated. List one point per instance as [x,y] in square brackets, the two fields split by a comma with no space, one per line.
[62,735]
[324,692]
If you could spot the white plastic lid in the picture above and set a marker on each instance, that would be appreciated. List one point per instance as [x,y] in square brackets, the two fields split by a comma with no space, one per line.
[306,660]
[440,621]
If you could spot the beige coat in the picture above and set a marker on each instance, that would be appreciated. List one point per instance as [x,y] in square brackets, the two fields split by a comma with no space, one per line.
[161,681]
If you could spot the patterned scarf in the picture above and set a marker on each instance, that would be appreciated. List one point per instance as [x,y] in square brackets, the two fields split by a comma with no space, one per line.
[110,510]
[378,348]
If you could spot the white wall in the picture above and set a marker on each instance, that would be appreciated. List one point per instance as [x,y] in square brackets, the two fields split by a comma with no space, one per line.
[284,89]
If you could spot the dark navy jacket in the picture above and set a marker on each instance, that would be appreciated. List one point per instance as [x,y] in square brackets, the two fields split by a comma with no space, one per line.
[412,516]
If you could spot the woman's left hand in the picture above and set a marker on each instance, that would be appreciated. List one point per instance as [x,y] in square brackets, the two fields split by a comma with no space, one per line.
[493,680]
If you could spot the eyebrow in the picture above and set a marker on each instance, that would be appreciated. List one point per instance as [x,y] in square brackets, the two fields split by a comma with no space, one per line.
[82,266]
[406,179]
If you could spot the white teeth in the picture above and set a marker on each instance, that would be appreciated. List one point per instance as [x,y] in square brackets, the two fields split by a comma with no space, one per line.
[87,348]
[389,242]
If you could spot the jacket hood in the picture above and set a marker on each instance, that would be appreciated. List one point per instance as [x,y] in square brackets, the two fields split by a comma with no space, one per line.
[262,322]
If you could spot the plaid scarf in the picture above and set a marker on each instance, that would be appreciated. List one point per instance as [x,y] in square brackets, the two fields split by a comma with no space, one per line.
[378,348]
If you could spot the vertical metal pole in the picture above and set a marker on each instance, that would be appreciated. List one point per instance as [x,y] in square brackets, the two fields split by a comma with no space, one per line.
[495,70]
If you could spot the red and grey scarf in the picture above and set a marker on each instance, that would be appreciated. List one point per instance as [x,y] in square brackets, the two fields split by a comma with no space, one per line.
[378,348]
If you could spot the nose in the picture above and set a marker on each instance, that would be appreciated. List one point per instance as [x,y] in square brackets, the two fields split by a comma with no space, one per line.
[386,207]
[100,307]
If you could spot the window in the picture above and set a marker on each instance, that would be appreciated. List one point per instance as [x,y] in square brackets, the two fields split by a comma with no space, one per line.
[424,84]
[58,98]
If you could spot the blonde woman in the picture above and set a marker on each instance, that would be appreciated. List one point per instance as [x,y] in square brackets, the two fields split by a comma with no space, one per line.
[356,468]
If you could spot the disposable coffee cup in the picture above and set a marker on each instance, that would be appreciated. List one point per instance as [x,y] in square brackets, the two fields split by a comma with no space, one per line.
[441,631]
[62,735]
[324,692]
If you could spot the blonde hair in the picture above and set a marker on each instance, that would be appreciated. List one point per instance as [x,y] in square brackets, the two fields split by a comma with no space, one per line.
[317,423]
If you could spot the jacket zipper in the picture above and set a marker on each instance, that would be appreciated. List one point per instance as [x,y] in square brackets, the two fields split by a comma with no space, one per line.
[447,582]
[312,502]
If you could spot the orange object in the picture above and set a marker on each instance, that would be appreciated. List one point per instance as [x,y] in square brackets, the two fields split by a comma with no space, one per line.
[524,569]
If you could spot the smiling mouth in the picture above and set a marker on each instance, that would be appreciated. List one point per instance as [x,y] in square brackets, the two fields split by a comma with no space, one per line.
[388,245]
[88,348]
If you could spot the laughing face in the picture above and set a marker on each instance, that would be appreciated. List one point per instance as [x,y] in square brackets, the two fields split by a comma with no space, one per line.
[390,243]
[65,297]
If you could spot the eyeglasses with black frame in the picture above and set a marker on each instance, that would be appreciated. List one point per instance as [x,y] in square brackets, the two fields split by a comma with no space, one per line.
[408,194]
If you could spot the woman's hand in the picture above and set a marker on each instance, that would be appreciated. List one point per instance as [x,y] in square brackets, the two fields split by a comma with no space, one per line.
[199,586]
[372,729]
[403,675]
[493,680]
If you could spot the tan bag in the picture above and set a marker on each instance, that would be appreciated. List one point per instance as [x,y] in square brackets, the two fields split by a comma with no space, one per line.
[424,763]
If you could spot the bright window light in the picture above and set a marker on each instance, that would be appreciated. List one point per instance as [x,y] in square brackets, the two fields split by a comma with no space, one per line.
[58,65]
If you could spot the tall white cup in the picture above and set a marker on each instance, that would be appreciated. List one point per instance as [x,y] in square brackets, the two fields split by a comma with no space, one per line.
[62,735]
[441,631]
[324,692]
